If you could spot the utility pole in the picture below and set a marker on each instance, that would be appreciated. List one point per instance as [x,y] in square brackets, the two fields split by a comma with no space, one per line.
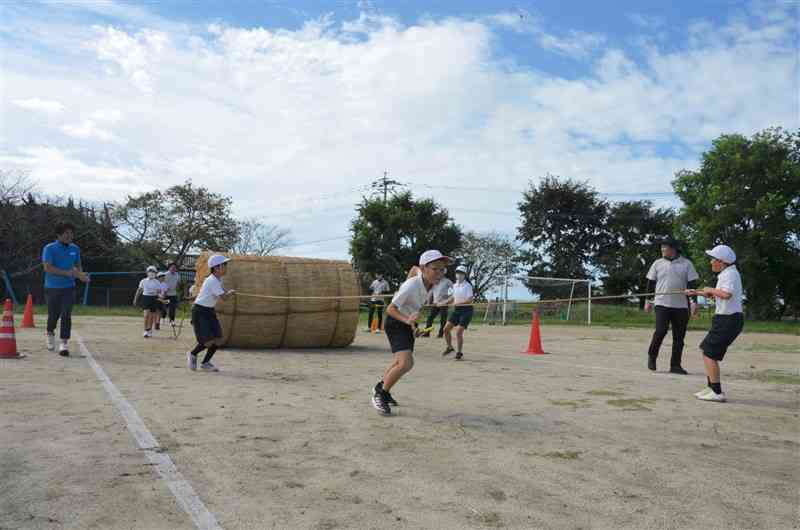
[384,183]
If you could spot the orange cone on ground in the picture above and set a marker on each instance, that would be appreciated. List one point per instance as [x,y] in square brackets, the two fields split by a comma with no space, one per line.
[535,342]
[27,317]
[8,342]
[374,326]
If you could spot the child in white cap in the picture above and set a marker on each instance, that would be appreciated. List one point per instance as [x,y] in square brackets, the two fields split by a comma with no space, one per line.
[149,289]
[728,318]
[401,321]
[207,329]
[462,298]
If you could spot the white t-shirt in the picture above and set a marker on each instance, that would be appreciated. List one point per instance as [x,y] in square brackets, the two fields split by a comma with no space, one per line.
[672,275]
[379,287]
[729,281]
[150,286]
[462,292]
[441,291]
[411,296]
[211,290]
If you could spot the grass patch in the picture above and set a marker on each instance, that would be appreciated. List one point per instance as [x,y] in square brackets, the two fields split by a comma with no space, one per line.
[780,377]
[89,310]
[569,403]
[563,455]
[633,403]
[601,392]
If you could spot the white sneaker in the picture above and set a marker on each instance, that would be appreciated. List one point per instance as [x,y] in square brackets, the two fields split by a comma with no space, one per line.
[147,334]
[208,367]
[713,396]
[51,342]
[191,361]
[63,349]
[703,392]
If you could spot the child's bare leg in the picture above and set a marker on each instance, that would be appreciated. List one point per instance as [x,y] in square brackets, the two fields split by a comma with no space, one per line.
[448,335]
[403,363]
[460,338]
[712,369]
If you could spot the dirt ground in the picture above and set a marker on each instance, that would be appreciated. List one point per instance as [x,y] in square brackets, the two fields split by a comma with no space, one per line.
[584,437]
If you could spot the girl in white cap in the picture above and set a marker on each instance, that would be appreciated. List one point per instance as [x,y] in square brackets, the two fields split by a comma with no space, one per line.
[401,321]
[149,289]
[462,314]
[207,329]
[728,318]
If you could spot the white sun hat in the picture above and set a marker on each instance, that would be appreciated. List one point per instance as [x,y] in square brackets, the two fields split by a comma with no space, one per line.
[723,253]
[429,256]
[216,260]
[151,268]
[461,268]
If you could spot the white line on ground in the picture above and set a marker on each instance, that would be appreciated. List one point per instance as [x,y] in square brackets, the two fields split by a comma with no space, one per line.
[181,489]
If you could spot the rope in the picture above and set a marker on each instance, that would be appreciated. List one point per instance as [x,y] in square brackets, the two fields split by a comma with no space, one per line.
[481,304]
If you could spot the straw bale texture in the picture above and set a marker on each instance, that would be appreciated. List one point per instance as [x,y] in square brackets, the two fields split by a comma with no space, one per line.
[250,322]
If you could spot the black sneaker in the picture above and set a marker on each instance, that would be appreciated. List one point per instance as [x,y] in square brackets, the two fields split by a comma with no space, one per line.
[379,401]
[651,363]
[447,352]
[459,356]
[63,353]
[678,370]
[389,399]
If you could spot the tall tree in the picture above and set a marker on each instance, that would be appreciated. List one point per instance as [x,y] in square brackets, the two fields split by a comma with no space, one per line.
[562,226]
[259,239]
[167,225]
[489,258]
[746,194]
[388,237]
[630,244]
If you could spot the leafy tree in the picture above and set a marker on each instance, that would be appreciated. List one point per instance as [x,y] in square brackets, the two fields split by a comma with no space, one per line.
[388,237]
[630,244]
[166,225]
[562,227]
[489,258]
[259,239]
[746,194]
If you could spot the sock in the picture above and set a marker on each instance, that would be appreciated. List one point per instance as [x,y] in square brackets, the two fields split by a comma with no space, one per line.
[197,349]
[210,353]
[709,381]
[716,387]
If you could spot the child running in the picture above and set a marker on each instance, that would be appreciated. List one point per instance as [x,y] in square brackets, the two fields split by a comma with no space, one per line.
[462,314]
[728,318]
[401,319]
[149,289]
[204,319]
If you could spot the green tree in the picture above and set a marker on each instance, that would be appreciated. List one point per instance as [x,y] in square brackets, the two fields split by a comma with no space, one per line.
[630,244]
[166,225]
[489,257]
[562,226]
[746,195]
[388,237]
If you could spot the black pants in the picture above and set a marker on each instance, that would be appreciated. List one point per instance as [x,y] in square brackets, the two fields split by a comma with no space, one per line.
[678,318]
[171,307]
[59,307]
[436,311]
[373,306]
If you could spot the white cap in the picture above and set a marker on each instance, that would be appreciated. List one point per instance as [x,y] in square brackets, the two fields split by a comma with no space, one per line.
[429,256]
[161,274]
[217,259]
[723,253]
[152,268]
[462,269]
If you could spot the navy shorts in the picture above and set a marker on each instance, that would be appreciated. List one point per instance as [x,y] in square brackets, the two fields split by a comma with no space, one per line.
[724,330]
[400,335]
[462,316]
[150,303]
[205,323]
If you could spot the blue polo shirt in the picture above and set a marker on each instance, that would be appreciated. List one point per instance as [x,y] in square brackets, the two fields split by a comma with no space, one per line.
[63,257]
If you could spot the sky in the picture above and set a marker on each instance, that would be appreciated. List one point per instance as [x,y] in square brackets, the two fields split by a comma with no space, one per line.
[293,107]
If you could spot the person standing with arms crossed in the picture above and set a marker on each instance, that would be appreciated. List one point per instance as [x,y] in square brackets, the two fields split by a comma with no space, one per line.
[378,287]
[61,260]
[672,272]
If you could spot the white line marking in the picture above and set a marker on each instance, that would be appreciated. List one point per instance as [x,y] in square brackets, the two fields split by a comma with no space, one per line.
[181,489]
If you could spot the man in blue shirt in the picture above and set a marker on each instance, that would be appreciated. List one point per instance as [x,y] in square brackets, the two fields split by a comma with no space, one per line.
[62,264]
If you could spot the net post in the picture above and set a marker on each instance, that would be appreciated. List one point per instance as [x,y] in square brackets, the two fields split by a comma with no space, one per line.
[589,287]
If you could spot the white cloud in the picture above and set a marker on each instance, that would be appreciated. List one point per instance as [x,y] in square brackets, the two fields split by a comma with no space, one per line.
[275,117]
[39,105]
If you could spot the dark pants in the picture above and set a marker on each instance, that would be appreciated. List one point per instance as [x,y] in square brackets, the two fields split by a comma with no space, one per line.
[170,308]
[678,318]
[59,307]
[373,306]
[436,311]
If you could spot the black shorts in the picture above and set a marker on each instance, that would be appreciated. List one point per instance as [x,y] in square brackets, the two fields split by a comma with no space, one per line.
[400,335]
[724,330]
[150,303]
[462,316]
[205,323]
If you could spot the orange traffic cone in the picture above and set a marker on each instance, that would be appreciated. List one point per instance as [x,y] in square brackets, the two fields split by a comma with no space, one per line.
[535,342]
[8,342]
[27,317]
[374,327]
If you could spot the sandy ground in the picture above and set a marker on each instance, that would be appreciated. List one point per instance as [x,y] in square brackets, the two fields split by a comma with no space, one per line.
[584,437]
